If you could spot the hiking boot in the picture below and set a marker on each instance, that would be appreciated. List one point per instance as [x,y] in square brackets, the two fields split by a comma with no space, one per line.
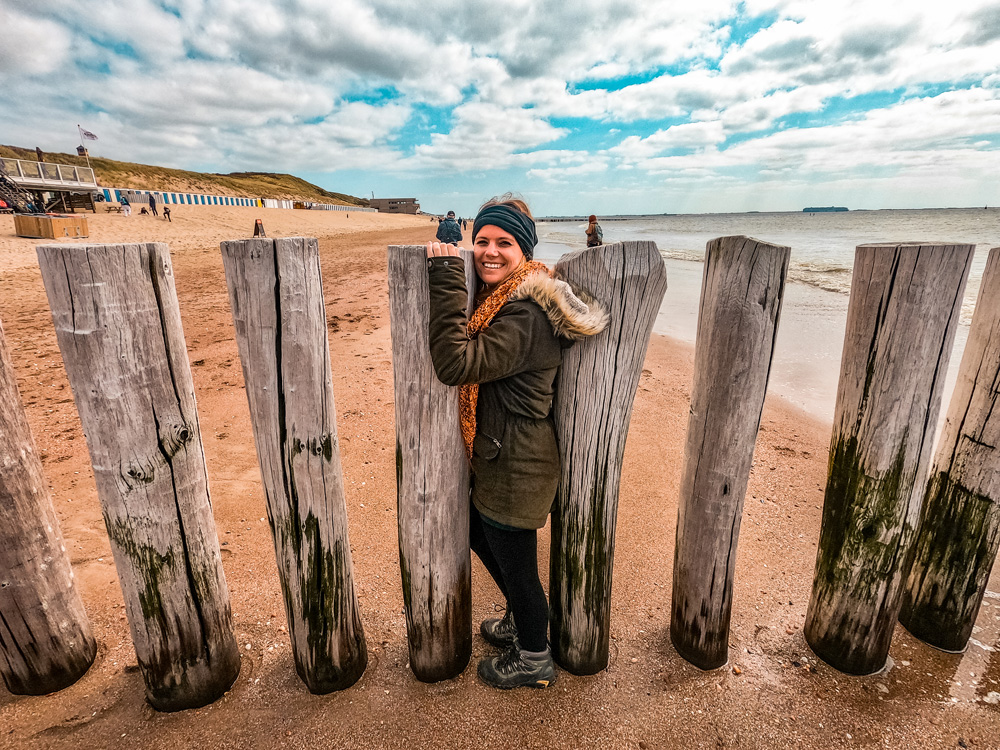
[514,669]
[500,632]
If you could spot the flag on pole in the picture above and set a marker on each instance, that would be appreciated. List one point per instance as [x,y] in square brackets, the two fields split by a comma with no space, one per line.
[88,135]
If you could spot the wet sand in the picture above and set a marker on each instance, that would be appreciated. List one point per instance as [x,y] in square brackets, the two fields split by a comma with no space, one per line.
[774,693]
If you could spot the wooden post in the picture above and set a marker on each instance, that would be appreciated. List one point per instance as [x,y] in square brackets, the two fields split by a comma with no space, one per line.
[46,642]
[119,331]
[901,319]
[741,293]
[959,531]
[276,293]
[432,483]
[597,385]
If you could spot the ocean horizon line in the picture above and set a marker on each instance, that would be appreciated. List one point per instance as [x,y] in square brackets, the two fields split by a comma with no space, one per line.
[627,217]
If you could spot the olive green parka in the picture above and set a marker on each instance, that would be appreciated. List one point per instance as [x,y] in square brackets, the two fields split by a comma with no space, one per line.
[515,458]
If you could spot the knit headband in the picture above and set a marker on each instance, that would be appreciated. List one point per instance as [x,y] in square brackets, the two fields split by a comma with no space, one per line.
[520,225]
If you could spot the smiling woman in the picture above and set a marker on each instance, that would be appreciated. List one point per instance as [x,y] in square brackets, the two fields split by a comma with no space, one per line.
[505,359]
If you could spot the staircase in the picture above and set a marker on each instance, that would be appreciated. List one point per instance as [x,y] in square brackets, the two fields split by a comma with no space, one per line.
[14,195]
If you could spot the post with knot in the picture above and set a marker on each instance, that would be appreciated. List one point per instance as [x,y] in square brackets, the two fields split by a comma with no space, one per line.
[46,642]
[432,481]
[119,330]
[597,385]
[960,521]
[901,319]
[741,293]
[276,294]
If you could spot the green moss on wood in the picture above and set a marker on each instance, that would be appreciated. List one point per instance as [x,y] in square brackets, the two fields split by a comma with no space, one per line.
[956,546]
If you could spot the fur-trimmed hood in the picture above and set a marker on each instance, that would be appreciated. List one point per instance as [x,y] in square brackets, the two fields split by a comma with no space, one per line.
[573,313]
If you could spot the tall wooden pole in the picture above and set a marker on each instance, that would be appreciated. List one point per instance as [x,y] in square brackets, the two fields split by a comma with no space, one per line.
[46,641]
[959,531]
[741,293]
[597,384]
[119,331]
[276,293]
[901,319]
[432,483]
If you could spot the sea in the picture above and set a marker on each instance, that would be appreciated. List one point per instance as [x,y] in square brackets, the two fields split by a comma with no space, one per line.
[810,337]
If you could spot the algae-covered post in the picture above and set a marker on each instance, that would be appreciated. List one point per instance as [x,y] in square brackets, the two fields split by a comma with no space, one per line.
[597,384]
[741,293]
[276,295]
[959,529]
[901,319]
[119,331]
[432,483]
[46,642]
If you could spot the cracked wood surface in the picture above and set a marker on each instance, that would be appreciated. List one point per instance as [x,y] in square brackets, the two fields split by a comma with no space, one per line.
[959,531]
[118,326]
[593,405]
[432,482]
[276,296]
[742,288]
[46,642]
[901,320]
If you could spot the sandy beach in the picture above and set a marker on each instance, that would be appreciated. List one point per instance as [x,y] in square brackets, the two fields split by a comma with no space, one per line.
[774,693]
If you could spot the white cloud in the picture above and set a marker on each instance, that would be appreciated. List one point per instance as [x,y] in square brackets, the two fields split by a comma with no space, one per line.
[484,136]
[29,45]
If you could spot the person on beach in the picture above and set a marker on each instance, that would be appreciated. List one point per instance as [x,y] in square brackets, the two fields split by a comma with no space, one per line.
[126,206]
[449,231]
[505,359]
[595,235]
[152,205]
[166,213]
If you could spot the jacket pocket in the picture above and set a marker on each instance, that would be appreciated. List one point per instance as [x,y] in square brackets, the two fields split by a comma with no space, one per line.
[485,446]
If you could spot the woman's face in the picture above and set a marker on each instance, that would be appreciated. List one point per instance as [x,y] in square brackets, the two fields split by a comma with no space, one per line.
[497,255]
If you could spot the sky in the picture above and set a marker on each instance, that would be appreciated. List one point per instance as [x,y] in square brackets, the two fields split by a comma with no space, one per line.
[620,107]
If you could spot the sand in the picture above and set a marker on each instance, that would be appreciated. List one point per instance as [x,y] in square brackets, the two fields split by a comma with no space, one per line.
[782,695]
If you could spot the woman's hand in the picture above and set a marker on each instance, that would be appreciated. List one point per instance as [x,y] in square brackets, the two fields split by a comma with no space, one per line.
[437,249]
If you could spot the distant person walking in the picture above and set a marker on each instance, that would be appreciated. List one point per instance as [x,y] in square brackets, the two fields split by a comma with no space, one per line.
[152,204]
[595,235]
[449,231]
[126,206]
[166,214]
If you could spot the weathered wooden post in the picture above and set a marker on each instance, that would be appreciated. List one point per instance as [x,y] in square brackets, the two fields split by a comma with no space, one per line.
[741,293]
[119,331]
[432,483]
[597,385]
[276,294]
[901,319]
[959,530]
[46,642]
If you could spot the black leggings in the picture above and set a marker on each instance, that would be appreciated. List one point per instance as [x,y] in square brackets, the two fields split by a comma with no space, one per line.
[511,557]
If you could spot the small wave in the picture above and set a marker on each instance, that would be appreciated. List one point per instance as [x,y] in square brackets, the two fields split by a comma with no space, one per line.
[830,280]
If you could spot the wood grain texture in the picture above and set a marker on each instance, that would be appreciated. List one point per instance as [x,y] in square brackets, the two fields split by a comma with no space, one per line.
[901,319]
[432,483]
[46,642]
[959,531]
[119,331]
[741,293]
[597,384]
[276,296]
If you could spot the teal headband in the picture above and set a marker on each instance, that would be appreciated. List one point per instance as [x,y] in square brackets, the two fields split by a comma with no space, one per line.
[520,225]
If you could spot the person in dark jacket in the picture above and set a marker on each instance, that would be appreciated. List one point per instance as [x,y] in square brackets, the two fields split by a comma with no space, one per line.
[595,236]
[505,359]
[449,231]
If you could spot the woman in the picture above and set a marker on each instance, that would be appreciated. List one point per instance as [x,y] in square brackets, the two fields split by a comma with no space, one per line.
[505,358]
[595,236]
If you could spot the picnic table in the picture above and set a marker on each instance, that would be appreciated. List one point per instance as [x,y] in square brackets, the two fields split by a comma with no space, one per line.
[109,208]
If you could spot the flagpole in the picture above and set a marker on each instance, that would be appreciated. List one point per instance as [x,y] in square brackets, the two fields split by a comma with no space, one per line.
[86,152]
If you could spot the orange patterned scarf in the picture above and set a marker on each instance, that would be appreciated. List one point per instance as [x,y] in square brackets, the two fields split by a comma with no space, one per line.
[468,395]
